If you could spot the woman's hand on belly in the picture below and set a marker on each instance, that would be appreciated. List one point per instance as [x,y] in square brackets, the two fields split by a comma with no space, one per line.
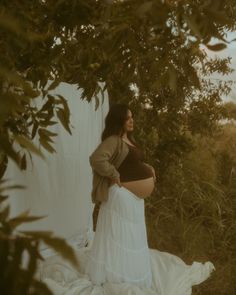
[153,171]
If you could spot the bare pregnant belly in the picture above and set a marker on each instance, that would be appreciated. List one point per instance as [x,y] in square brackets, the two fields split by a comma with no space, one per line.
[141,188]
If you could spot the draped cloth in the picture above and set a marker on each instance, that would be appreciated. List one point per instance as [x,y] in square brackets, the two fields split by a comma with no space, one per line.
[60,187]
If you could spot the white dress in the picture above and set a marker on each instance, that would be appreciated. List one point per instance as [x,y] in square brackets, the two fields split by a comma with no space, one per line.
[120,251]
[119,261]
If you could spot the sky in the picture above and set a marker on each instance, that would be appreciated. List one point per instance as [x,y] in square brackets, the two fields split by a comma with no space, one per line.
[231,52]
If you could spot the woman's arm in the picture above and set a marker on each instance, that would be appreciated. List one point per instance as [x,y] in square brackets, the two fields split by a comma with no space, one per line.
[153,170]
[99,159]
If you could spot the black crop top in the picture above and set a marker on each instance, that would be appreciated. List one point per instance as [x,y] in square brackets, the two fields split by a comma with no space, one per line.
[132,168]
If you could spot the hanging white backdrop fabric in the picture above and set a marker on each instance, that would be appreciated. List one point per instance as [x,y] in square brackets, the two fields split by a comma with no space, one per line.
[60,187]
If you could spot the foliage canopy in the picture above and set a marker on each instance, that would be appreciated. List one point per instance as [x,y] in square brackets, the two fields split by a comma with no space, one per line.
[158,46]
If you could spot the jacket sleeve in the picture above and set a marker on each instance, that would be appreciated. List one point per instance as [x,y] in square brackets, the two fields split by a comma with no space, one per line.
[99,159]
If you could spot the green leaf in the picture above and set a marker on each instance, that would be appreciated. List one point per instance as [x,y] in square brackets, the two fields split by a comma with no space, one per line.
[56,243]
[6,146]
[65,105]
[14,222]
[54,84]
[22,218]
[34,130]
[29,145]
[63,117]
[62,247]
[49,104]
[47,132]
[23,164]
[3,198]
[29,91]
[46,145]
[24,213]
[44,136]
[48,123]
[4,214]
[217,47]
[36,234]
[10,187]
[4,180]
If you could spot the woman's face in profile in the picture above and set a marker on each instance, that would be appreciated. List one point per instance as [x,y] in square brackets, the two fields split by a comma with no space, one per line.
[129,123]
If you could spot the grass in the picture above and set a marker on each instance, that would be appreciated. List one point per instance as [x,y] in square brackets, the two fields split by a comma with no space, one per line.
[193,215]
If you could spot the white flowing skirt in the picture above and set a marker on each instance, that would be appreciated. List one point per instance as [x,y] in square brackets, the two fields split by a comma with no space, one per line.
[120,251]
[118,261]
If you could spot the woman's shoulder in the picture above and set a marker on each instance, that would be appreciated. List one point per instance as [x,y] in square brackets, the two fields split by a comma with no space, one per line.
[113,137]
[115,141]
[111,140]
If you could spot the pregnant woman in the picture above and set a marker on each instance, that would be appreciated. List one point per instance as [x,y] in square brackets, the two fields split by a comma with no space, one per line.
[119,252]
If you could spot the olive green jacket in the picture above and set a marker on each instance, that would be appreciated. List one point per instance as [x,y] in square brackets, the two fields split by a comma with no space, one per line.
[105,161]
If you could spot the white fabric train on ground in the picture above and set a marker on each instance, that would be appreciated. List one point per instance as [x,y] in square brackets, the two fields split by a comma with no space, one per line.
[119,253]
[171,276]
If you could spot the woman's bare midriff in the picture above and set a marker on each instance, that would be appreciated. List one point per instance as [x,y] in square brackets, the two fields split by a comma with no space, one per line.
[141,188]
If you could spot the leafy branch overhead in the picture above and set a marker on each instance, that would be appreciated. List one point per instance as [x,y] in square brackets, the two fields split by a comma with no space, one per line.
[158,46]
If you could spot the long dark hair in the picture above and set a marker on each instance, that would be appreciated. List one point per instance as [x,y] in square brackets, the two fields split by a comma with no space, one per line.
[115,120]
